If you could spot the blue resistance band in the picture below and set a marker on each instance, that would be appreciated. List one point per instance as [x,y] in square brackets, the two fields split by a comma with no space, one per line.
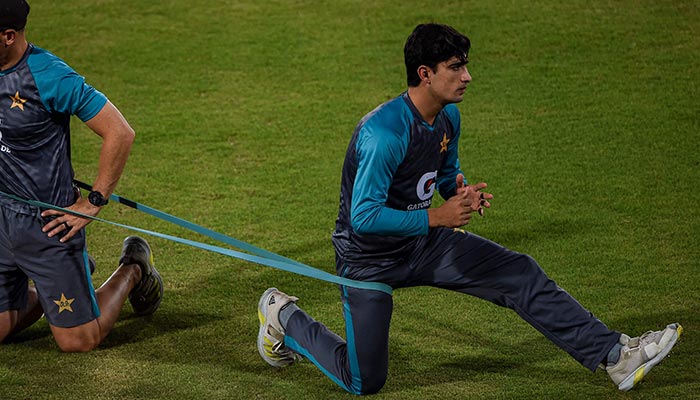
[194,227]
[258,256]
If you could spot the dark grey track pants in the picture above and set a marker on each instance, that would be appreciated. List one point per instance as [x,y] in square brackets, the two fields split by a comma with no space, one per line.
[453,260]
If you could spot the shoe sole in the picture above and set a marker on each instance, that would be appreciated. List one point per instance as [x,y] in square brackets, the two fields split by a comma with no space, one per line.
[155,305]
[638,374]
[125,259]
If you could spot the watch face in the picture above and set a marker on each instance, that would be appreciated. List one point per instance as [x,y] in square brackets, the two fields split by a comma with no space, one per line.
[95,198]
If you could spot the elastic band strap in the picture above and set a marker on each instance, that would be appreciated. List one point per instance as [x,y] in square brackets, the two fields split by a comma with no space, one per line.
[278,262]
[194,227]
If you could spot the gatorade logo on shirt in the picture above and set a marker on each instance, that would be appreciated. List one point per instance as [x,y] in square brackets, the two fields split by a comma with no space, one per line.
[426,185]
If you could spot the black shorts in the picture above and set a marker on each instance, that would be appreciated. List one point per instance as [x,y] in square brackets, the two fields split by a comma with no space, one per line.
[60,271]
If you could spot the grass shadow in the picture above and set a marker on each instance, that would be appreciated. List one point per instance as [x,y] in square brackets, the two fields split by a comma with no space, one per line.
[128,329]
[535,357]
[519,236]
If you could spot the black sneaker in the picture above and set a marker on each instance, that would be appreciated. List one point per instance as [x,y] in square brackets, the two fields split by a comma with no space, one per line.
[146,296]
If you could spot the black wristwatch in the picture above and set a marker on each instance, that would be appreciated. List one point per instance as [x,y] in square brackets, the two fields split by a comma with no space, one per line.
[96,199]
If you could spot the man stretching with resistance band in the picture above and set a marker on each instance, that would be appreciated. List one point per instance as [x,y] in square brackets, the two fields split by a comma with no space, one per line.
[38,95]
[385,232]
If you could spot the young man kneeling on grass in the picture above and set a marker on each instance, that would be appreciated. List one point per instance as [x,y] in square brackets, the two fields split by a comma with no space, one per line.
[399,154]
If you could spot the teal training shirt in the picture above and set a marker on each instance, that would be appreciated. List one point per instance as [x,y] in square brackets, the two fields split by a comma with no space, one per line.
[37,98]
[394,164]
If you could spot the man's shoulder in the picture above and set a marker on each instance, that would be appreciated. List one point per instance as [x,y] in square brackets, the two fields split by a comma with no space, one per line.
[41,60]
[452,113]
[391,116]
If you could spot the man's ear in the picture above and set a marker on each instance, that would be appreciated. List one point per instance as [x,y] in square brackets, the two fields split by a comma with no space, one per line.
[8,37]
[425,74]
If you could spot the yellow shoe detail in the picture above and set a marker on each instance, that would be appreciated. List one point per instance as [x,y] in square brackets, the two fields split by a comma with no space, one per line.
[638,375]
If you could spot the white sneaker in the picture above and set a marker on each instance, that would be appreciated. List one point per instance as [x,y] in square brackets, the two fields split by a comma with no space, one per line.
[271,334]
[640,354]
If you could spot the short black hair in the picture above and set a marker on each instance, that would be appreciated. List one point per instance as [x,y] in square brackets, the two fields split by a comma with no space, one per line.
[13,14]
[431,44]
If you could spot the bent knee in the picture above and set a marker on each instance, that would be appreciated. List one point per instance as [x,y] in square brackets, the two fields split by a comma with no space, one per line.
[4,332]
[77,345]
[373,388]
[528,265]
[79,339]
[8,320]
[373,385]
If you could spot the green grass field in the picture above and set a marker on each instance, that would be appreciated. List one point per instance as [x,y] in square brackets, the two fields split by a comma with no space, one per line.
[583,117]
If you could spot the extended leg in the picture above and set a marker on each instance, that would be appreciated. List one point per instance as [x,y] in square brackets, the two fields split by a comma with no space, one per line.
[470,264]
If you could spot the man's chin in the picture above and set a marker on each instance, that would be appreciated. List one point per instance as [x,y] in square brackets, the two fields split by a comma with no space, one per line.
[457,99]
